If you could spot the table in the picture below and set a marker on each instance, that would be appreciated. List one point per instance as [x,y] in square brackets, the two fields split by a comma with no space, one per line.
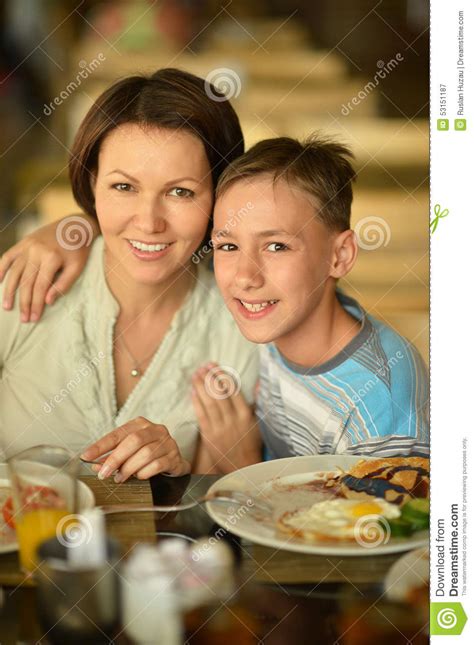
[308,598]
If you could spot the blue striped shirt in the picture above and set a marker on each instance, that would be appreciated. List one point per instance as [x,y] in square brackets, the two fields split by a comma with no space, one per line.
[370,399]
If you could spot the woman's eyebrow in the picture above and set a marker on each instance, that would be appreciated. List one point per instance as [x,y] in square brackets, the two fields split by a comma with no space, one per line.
[178,179]
[137,181]
[122,172]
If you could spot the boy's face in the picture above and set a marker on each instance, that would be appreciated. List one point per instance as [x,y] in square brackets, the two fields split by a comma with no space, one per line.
[272,258]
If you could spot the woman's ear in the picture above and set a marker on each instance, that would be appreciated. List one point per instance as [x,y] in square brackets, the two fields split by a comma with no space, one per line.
[345,251]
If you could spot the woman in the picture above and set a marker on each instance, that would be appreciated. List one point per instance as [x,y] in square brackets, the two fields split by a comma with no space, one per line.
[111,364]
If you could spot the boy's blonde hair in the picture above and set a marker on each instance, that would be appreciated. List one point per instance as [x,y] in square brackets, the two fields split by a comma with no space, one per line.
[318,166]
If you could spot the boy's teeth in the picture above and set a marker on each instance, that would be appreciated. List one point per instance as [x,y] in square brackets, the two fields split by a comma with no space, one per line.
[257,307]
[148,247]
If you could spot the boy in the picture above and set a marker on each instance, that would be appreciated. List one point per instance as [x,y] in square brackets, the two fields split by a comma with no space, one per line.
[333,379]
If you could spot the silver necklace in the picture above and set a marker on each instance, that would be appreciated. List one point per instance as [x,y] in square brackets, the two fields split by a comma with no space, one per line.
[137,366]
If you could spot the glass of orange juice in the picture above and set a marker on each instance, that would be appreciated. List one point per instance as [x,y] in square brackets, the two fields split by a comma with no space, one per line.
[44,491]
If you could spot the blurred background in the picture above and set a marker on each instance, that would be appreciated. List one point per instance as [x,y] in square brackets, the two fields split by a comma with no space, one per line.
[357,69]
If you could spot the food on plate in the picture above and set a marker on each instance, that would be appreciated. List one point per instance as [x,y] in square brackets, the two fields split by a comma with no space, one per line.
[7,512]
[340,519]
[414,516]
[397,479]
[33,498]
[375,497]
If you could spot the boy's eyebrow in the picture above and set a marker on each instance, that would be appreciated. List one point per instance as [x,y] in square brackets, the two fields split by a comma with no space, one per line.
[226,233]
[222,233]
[271,232]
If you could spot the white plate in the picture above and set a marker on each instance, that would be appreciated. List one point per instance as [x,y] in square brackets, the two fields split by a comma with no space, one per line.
[409,572]
[261,478]
[8,541]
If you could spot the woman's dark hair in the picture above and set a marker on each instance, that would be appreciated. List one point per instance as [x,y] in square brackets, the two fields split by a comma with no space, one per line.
[169,98]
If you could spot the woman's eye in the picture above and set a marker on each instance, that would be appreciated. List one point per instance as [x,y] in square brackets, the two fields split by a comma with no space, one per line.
[277,246]
[225,247]
[122,187]
[181,192]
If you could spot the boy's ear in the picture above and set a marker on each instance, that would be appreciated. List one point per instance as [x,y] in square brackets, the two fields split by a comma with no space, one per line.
[344,254]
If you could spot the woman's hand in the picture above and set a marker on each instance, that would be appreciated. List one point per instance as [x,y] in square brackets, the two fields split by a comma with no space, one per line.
[33,263]
[139,448]
[228,425]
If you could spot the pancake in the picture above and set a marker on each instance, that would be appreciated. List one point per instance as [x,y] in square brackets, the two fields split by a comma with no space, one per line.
[397,479]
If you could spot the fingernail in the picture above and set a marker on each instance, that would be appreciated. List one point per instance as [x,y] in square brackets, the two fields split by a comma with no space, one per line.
[104,472]
[34,317]
[7,304]
[193,391]
[118,478]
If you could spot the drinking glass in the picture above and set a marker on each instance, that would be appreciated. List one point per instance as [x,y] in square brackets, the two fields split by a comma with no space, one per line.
[44,491]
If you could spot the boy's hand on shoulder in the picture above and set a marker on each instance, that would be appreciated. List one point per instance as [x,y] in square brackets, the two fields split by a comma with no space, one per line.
[229,427]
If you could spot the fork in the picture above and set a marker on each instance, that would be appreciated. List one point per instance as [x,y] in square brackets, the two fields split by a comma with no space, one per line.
[223,496]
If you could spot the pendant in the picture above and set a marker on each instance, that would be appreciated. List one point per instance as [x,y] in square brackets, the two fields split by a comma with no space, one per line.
[135,372]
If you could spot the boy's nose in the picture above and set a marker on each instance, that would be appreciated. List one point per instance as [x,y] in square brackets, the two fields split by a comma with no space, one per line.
[248,274]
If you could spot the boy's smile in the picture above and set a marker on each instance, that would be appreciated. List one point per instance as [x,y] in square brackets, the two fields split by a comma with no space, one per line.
[274,263]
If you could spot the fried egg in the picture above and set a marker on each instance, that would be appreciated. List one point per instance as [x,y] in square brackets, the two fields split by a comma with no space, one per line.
[338,519]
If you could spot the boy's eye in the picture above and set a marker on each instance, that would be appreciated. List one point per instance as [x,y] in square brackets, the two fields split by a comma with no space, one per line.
[122,187]
[181,192]
[225,247]
[277,246]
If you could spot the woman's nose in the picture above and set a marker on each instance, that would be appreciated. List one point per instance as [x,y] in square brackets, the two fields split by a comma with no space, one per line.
[149,220]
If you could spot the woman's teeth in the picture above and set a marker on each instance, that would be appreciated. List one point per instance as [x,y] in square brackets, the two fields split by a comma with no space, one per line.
[258,306]
[148,247]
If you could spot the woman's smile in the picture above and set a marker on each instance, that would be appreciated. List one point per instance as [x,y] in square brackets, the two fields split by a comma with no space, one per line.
[149,251]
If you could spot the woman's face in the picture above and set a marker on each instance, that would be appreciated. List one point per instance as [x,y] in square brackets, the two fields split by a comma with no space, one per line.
[153,197]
